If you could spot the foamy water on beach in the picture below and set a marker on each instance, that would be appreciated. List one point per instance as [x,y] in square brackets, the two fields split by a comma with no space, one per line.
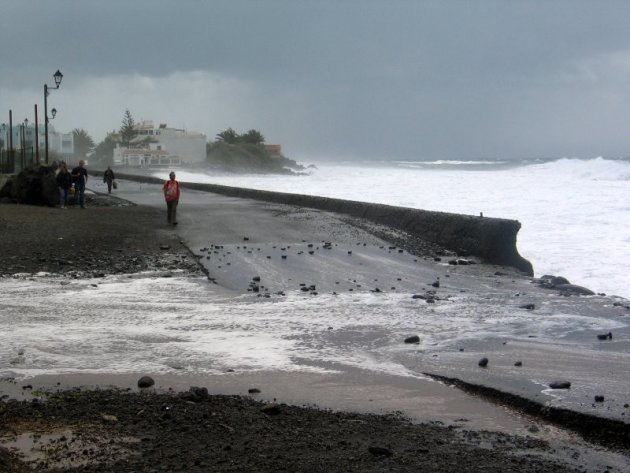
[575,213]
[149,323]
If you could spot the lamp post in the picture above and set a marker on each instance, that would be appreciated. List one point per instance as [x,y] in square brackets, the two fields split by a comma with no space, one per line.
[36,139]
[3,145]
[26,133]
[22,145]
[57,76]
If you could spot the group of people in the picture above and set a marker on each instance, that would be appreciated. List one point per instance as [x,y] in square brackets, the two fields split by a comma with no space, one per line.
[77,180]
[72,181]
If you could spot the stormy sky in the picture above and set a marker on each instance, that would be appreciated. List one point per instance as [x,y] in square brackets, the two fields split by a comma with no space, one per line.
[343,79]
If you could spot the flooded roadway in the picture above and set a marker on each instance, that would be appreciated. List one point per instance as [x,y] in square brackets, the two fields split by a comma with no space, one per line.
[314,310]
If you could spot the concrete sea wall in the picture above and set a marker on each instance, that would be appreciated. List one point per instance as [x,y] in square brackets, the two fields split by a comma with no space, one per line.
[492,239]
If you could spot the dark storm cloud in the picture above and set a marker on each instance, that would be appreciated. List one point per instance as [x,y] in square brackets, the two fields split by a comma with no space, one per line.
[400,79]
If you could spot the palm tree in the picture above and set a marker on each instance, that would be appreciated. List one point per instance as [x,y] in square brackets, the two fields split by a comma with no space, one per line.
[254,137]
[228,136]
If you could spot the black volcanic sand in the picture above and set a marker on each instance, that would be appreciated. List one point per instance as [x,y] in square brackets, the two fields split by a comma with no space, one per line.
[110,236]
[130,431]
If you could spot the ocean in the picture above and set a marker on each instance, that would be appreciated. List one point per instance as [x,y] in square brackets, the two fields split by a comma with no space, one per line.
[575,213]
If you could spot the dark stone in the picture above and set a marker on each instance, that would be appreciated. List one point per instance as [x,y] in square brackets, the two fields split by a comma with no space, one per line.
[562,284]
[271,409]
[412,339]
[599,398]
[558,280]
[483,362]
[551,282]
[573,289]
[380,451]
[253,391]
[195,394]
[560,385]
[256,278]
[146,382]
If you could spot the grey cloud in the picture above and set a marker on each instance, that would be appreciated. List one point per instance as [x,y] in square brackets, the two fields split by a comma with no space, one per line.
[406,79]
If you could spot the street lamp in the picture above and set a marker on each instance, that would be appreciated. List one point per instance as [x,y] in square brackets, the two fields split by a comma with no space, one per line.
[3,145]
[26,133]
[57,76]
[23,143]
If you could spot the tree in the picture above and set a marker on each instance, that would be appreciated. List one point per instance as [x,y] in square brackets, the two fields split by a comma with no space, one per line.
[253,137]
[228,136]
[104,151]
[127,129]
[83,143]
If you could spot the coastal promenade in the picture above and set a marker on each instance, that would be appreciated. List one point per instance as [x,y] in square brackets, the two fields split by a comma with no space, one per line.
[378,286]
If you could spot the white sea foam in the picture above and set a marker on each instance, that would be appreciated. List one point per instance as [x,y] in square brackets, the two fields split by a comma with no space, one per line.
[183,325]
[575,213]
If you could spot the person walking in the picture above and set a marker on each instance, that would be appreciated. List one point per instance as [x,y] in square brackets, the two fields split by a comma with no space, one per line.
[171,195]
[109,177]
[64,182]
[80,178]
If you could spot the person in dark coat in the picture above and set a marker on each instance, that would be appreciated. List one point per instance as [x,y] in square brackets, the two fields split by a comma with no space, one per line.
[109,177]
[64,182]
[80,177]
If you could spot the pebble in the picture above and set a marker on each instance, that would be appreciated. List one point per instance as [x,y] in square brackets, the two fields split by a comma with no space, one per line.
[146,382]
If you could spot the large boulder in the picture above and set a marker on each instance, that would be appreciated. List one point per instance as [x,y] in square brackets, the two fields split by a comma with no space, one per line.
[35,185]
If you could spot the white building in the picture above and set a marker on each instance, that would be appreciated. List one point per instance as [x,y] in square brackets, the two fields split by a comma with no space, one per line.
[189,146]
[61,144]
[145,157]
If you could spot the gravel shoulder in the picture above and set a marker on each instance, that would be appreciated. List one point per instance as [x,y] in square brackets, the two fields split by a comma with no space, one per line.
[110,236]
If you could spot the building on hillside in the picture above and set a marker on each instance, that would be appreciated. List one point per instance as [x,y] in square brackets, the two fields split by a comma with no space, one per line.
[275,151]
[189,146]
[145,157]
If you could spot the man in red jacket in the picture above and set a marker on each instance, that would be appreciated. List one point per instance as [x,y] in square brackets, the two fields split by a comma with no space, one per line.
[171,195]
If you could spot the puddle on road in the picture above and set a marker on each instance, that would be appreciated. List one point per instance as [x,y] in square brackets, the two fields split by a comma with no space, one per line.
[60,446]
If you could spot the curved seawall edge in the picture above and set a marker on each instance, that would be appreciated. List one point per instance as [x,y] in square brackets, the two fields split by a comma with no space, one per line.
[491,239]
